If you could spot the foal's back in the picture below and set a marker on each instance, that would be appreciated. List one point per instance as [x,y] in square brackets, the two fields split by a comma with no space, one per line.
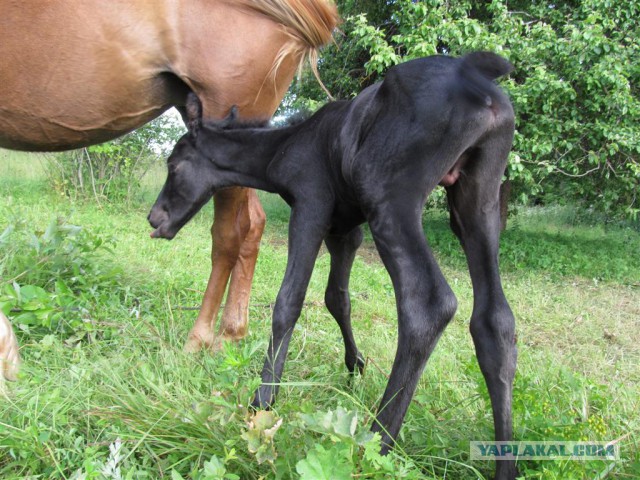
[414,126]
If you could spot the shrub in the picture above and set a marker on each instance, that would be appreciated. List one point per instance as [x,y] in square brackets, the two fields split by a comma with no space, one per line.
[112,171]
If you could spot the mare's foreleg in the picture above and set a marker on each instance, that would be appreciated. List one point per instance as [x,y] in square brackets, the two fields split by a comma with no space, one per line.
[343,252]
[234,322]
[475,218]
[231,232]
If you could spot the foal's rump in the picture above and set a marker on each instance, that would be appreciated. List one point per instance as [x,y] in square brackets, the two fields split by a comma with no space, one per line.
[434,109]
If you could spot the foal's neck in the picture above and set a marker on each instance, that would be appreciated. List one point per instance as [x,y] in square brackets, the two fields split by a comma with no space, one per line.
[242,156]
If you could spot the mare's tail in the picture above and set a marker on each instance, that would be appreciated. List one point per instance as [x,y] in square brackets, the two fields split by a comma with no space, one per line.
[308,23]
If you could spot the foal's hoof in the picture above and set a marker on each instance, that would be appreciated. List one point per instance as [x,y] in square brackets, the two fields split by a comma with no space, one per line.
[263,399]
[358,363]
[506,471]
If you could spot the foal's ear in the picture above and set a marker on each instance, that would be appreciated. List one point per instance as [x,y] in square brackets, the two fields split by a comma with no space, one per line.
[194,113]
[233,113]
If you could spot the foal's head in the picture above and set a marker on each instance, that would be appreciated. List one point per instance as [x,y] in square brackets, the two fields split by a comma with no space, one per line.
[191,178]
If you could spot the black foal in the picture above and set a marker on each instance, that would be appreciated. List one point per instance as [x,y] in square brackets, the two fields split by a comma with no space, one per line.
[435,120]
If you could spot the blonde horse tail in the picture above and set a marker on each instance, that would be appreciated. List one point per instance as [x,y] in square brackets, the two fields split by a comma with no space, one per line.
[308,23]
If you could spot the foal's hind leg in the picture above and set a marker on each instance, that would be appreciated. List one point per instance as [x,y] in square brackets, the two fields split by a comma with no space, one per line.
[475,218]
[343,252]
[425,305]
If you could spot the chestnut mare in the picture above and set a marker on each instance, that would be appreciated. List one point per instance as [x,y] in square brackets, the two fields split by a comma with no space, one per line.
[76,73]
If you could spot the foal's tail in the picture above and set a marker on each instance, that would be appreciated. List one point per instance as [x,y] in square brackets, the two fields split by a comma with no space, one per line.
[309,24]
[478,70]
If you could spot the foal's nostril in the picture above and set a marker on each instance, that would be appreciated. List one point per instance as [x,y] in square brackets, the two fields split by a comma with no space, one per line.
[157,216]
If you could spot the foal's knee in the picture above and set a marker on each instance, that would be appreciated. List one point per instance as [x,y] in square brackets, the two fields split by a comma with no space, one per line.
[444,306]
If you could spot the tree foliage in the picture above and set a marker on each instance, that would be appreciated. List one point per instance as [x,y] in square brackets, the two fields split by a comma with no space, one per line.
[574,88]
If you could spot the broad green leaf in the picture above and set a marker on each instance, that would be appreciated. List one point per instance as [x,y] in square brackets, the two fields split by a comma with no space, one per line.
[321,464]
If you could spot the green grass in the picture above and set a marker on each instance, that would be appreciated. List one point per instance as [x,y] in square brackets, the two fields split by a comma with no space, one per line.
[115,395]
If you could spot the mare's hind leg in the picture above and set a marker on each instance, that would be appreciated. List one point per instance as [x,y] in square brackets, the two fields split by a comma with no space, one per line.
[343,252]
[475,218]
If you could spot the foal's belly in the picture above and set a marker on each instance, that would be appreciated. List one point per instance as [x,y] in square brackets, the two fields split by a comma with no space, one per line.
[345,218]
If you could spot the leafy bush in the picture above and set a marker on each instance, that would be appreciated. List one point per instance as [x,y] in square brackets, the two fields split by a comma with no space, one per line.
[574,88]
[54,278]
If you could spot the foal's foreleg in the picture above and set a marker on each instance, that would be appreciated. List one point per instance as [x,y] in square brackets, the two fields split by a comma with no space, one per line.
[343,252]
[475,218]
[307,228]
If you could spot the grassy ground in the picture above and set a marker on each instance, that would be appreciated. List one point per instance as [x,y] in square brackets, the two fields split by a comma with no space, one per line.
[106,392]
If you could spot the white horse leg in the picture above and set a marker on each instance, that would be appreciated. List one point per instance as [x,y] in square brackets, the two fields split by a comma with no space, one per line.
[9,356]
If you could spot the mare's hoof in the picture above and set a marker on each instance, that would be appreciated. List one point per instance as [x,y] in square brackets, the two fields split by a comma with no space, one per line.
[195,343]
[232,332]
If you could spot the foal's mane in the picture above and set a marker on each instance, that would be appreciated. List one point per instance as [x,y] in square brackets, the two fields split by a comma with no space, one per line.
[234,123]
[308,23]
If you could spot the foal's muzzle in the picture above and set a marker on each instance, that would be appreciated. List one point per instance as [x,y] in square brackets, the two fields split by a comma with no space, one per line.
[159,220]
